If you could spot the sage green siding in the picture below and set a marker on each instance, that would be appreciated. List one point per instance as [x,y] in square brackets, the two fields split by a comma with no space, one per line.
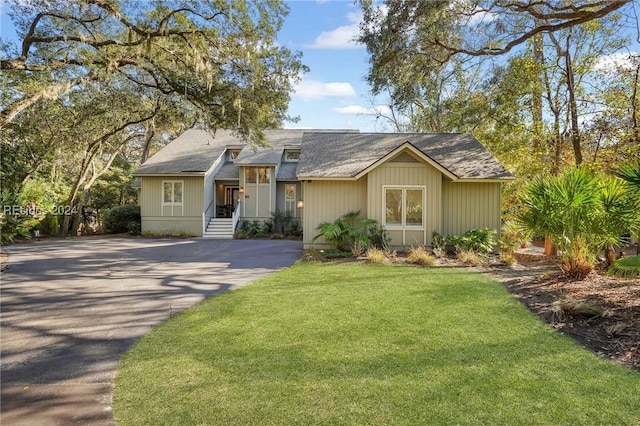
[468,206]
[259,198]
[325,201]
[157,218]
[403,174]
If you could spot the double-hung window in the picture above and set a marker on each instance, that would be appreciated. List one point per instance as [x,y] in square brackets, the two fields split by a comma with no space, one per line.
[172,198]
[404,207]
[172,192]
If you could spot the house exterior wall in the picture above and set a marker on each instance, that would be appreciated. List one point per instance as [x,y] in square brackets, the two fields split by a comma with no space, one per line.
[468,206]
[259,199]
[281,196]
[325,201]
[418,174]
[157,218]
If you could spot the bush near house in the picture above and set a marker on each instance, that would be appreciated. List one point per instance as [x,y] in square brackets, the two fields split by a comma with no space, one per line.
[121,219]
[351,233]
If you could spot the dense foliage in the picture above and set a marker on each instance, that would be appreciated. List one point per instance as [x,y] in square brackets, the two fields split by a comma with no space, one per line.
[92,88]
[583,213]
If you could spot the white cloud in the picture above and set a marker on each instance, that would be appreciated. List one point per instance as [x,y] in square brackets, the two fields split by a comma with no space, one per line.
[618,60]
[480,16]
[342,37]
[360,110]
[312,89]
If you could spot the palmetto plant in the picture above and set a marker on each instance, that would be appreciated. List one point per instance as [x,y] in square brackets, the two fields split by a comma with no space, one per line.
[564,208]
[582,213]
[345,230]
[618,216]
[630,173]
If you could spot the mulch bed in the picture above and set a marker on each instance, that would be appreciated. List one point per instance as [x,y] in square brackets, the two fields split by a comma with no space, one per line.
[600,312]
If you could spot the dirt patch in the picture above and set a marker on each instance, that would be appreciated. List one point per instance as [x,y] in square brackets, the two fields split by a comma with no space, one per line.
[600,312]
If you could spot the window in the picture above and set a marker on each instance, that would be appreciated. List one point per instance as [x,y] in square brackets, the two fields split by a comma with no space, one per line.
[256,175]
[290,191]
[291,155]
[404,207]
[172,192]
[233,154]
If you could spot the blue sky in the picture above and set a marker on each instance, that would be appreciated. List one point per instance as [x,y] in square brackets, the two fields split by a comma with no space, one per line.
[334,93]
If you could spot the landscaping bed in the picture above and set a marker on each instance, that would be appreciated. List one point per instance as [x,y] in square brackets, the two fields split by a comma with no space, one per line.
[601,312]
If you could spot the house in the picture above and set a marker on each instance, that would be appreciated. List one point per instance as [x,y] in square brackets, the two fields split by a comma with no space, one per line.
[412,183]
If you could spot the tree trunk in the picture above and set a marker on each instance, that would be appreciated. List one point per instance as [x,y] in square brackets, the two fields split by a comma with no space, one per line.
[148,137]
[538,56]
[573,106]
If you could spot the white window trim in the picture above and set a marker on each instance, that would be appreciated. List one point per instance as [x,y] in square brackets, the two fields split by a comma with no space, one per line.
[172,182]
[404,226]
[291,160]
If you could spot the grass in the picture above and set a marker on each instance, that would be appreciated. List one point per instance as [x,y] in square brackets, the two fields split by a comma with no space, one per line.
[368,344]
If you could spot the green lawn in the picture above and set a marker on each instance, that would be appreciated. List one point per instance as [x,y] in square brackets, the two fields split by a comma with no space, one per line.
[366,344]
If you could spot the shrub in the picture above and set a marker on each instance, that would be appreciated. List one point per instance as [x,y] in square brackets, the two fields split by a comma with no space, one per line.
[376,255]
[582,213]
[14,228]
[508,258]
[420,256]
[378,237]
[627,267]
[359,246]
[276,236]
[49,224]
[514,236]
[478,240]
[117,219]
[438,244]
[134,228]
[470,257]
[342,232]
[311,255]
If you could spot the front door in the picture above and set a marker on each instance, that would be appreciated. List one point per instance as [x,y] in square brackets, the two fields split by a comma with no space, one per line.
[231,195]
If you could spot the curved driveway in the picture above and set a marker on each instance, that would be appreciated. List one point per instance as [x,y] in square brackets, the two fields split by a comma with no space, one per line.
[70,309]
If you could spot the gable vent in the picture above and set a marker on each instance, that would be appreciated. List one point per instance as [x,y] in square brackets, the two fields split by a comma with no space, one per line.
[404,157]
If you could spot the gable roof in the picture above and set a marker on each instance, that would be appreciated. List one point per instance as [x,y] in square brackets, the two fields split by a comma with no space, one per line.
[332,156]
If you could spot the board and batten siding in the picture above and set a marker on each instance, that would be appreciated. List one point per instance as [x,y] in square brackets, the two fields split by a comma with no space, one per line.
[468,205]
[327,200]
[159,219]
[402,173]
[281,196]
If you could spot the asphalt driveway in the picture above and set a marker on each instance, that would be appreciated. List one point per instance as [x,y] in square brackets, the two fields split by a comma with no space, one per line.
[69,309]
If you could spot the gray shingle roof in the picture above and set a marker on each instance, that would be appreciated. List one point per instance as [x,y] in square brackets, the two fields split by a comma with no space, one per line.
[194,151]
[287,171]
[228,171]
[336,155]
